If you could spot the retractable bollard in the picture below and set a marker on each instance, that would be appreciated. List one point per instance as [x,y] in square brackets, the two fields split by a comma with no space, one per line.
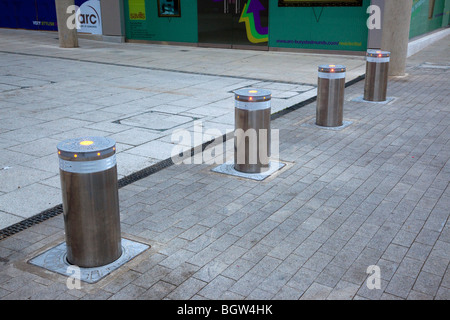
[330,95]
[252,130]
[89,186]
[377,70]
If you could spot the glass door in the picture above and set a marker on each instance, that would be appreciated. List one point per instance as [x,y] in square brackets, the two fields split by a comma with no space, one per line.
[214,23]
[233,23]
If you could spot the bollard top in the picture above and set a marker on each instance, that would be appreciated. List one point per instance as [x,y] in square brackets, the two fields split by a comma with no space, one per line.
[86,148]
[332,68]
[252,95]
[372,53]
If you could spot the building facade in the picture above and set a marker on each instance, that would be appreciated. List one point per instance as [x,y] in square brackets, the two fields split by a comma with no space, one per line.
[348,26]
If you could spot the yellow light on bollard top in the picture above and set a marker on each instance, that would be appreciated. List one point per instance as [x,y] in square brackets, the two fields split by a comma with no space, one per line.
[86,143]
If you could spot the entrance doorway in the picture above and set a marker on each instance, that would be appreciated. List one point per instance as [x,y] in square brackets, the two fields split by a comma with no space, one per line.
[240,24]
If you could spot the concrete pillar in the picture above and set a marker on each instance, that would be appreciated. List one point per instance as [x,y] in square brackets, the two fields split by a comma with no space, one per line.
[395,33]
[113,22]
[68,37]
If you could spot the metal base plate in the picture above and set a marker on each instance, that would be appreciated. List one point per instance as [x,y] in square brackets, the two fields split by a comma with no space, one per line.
[313,124]
[55,260]
[361,99]
[228,168]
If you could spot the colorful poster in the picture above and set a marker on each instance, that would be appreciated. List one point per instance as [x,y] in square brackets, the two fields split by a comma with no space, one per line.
[136,9]
[256,33]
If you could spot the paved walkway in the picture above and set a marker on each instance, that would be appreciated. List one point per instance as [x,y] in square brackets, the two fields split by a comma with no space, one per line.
[373,194]
[136,94]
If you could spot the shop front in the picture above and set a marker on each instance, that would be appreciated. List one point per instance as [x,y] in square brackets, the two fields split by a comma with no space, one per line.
[250,24]
[305,25]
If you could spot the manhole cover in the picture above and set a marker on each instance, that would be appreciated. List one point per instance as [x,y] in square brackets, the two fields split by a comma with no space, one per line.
[154,120]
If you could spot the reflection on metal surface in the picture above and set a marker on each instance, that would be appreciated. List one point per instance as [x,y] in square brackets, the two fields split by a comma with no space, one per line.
[377,70]
[330,95]
[252,130]
[90,201]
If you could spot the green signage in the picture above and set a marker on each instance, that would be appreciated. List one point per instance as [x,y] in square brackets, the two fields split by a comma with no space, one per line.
[319,28]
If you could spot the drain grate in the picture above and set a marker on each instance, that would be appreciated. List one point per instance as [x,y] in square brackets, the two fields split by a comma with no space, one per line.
[27,223]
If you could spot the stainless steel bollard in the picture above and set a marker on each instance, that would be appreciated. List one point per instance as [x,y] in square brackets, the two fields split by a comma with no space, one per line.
[377,71]
[89,186]
[330,95]
[252,130]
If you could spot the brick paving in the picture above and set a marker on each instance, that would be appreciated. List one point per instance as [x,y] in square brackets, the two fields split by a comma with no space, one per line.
[132,93]
[373,194]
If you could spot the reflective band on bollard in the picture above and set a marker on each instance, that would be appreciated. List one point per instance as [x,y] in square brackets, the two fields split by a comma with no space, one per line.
[330,95]
[252,130]
[87,166]
[89,186]
[377,70]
